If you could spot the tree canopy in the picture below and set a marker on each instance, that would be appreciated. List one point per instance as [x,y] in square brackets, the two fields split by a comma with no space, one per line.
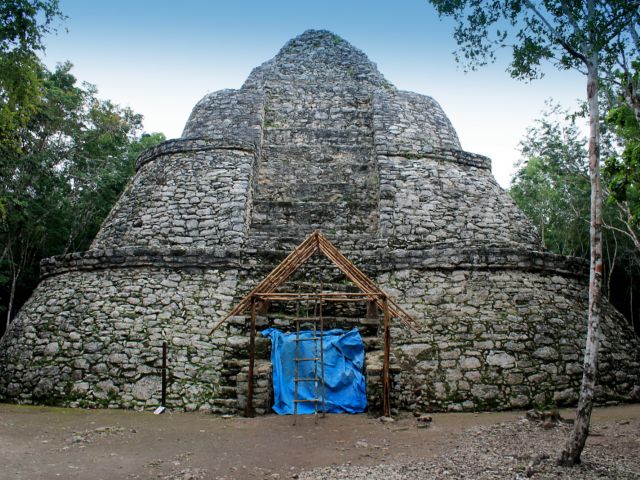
[65,153]
[551,184]
[562,32]
[23,24]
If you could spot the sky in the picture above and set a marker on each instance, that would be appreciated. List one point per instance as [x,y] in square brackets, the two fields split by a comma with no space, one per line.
[160,57]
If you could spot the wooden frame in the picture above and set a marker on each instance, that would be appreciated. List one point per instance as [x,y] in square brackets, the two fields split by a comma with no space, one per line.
[265,291]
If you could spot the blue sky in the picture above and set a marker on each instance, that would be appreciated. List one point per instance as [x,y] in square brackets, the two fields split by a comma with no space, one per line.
[160,57]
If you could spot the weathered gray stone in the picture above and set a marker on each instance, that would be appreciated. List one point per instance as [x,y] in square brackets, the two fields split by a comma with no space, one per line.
[146,387]
[52,349]
[546,353]
[315,138]
[485,392]
[104,390]
[469,363]
[503,360]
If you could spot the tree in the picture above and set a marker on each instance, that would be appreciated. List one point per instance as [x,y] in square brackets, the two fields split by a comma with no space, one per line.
[23,23]
[76,155]
[624,168]
[591,36]
[551,186]
[65,155]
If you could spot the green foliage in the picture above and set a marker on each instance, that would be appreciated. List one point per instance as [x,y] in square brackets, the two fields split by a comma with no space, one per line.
[20,88]
[623,169]
[563,32]
[76,154]
[23,23]
[552,185]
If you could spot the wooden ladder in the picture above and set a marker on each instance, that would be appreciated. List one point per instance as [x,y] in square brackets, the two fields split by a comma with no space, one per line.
[317,358]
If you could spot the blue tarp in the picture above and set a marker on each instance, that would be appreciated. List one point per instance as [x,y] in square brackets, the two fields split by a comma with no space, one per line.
[345,386]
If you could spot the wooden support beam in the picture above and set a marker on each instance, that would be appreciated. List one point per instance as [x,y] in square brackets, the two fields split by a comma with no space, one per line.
[252,357]
[361,280]
[317,242]
[386,381]
[164,374]
[278,276]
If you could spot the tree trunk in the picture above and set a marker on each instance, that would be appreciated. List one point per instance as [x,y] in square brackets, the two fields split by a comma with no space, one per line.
[573,449]
[612,265]
[12,295]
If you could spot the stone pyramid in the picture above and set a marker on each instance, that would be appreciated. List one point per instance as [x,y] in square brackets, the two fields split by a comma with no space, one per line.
[316,138]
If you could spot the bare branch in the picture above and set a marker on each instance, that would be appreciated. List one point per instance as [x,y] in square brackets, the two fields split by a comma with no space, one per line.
[624,215]
[634,35]
[555,35]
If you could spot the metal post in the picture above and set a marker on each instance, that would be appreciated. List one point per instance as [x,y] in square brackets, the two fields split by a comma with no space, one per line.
[386,383]
[252,355]
[164,373]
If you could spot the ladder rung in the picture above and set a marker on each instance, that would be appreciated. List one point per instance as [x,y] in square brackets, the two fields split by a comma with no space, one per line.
[318,333]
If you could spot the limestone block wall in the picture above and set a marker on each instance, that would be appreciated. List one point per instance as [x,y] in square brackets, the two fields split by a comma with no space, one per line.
[94,339]
[503,339]
[317,166]
[320,58]
[228,115]
[315,138]
[499,330]
[195,198]
[408,123]
[432,199]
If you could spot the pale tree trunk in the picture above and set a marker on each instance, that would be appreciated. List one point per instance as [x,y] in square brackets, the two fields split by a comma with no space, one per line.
[573,449]
[612,264]
[15,269]
[12,295]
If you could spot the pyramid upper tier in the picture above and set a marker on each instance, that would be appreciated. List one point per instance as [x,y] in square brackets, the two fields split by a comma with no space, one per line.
[315,138]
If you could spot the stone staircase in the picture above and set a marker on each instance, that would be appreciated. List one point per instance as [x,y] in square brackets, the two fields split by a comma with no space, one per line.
[317,168]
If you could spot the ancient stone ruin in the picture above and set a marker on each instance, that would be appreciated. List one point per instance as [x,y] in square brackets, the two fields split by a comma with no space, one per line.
[316,138]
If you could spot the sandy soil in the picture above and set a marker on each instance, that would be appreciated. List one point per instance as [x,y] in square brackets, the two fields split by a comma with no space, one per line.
[48,443]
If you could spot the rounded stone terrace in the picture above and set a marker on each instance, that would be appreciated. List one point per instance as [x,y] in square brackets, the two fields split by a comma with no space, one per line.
[316,138]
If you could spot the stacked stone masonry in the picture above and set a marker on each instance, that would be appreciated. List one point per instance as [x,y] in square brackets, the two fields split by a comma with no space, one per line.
[315,138]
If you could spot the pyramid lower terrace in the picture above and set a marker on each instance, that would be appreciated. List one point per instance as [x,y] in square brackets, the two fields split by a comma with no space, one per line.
[316,138]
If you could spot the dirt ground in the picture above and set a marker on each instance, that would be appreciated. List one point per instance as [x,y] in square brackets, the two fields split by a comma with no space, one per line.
[48,443]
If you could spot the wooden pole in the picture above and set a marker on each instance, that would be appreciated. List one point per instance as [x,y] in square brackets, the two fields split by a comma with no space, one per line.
[312,244]
[324,406]
[278,276]
[386,383]
[164,374]
[252,355]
